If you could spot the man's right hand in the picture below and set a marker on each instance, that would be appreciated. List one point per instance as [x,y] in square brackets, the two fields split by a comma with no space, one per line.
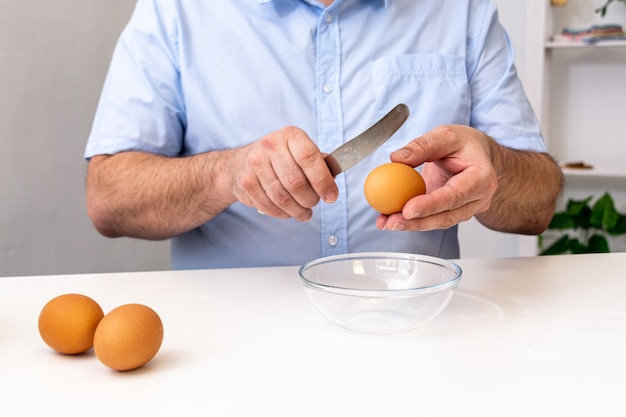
[282,175]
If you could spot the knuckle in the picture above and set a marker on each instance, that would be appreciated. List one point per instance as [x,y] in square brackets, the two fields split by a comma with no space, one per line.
[267,142]
[310,200]
[296,182]
[282,198]
[255,159]
[291,131]
[458,198]
[448,220]
[308,156]
[247,182]
[445,131]
[421,146]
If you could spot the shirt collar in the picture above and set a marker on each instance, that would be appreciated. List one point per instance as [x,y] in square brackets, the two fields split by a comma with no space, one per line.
[269,1]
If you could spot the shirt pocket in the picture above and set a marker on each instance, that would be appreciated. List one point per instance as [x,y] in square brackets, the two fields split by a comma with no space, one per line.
[434,87]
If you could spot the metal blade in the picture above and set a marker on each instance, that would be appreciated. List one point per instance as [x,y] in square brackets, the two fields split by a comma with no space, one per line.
[354,151]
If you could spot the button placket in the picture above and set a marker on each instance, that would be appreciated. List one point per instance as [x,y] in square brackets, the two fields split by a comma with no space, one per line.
[333,217]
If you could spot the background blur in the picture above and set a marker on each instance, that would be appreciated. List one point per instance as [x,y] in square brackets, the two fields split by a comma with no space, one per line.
[53,59]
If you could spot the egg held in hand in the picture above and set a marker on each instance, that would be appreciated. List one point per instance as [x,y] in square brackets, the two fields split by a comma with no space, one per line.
[67,323]
[128,337]
[389,186]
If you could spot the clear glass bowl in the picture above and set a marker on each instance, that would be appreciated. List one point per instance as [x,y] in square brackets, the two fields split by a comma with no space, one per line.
[378,292]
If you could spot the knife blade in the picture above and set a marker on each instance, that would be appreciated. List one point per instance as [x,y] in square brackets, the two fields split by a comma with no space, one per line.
[357,149]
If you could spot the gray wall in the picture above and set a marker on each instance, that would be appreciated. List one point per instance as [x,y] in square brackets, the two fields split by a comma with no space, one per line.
[53,59]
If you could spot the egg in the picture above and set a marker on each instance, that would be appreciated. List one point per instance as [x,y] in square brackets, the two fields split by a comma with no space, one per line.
[389,186]
[128,337]
[67,323]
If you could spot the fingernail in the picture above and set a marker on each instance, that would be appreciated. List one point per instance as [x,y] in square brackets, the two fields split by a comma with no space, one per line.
[399,226]
[331,196]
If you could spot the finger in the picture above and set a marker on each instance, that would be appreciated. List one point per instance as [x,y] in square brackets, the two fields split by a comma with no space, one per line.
[432,146]
[271,197]
[283,200]
[442,199]
[438,221]
[282,178]
[442,207]
[318,179]
[274,168]
[294,183]
[473,184]
[251,193]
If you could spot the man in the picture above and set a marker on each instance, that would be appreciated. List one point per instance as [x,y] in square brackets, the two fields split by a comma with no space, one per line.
[215,118]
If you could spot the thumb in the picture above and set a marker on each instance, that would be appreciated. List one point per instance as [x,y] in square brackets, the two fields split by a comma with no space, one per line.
[432,146]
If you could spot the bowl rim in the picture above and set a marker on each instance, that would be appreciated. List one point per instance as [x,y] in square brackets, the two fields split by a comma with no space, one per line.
[452,283]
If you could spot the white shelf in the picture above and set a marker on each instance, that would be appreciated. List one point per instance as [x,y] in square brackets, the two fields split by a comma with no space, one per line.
[582,45]
[599,172]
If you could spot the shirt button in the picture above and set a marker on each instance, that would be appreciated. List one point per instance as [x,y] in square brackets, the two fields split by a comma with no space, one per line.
[333,240]
[327,88]
[329,18]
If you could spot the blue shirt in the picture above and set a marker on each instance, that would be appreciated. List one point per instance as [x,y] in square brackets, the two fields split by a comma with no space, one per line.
[195,76]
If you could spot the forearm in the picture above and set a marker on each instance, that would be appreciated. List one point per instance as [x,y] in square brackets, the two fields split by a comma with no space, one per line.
[148,196]
[529,184]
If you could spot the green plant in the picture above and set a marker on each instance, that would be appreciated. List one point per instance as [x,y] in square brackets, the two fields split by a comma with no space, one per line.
[602,9]
[584,227]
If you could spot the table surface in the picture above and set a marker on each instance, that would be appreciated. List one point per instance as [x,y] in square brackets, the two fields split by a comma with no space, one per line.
[536,336]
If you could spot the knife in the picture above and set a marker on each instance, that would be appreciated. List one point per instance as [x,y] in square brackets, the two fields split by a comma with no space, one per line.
[354,151]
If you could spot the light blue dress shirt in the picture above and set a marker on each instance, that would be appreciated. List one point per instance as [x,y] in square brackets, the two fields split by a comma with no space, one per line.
[191,76]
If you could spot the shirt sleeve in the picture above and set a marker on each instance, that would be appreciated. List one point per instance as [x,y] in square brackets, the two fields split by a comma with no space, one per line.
[500,107]
[141,107]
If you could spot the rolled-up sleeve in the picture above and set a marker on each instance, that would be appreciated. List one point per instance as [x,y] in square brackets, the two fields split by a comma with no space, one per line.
[500,107]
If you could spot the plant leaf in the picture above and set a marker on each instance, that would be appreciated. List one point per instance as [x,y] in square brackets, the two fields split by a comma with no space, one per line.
[577,207]
[576,247]
[602,9]
[561,221]
[580,211]
[603,213]
[598,244]
[619,228]
[557,248]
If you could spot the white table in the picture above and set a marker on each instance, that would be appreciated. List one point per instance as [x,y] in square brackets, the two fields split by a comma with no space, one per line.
[522,337]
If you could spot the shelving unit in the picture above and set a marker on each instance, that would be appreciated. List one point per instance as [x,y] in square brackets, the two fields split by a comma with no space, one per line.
[549,72]
[540,72]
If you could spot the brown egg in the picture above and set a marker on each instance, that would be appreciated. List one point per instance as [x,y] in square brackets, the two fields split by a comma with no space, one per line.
[389,186]
[128,337]
[67,323]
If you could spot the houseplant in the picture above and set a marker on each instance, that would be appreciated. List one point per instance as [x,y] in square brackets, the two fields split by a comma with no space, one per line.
[584,227]
[602,9]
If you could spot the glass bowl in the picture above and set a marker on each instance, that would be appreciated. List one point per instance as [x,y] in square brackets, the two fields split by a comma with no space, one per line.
[380,293]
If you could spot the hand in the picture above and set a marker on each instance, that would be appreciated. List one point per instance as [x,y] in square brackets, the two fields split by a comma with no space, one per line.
[282,175]
[459,174]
